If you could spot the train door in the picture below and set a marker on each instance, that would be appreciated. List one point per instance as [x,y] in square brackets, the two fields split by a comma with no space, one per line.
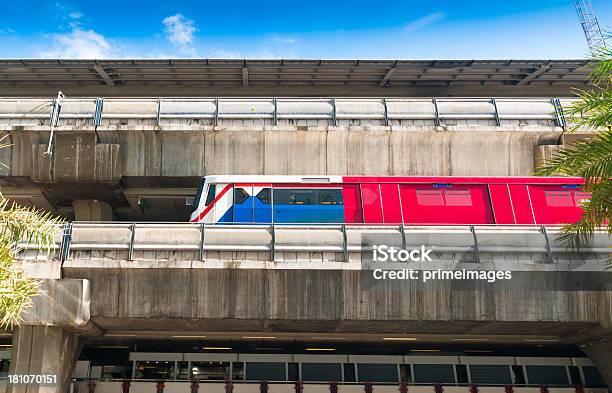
[371,203]
[391,209]
[262,205]
[351,196]
[243,204]
[556,204]
[446,204]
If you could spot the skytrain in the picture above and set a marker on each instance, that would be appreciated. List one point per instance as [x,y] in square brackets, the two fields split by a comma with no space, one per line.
[393,200]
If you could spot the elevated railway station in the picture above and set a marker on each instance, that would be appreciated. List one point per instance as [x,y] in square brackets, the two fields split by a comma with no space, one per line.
[138,299]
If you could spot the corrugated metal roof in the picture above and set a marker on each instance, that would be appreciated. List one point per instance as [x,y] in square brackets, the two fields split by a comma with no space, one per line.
[260,73]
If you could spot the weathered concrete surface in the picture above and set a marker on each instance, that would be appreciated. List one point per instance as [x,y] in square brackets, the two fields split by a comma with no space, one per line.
[154,151]
[50,350]
[333,301]
[61,302]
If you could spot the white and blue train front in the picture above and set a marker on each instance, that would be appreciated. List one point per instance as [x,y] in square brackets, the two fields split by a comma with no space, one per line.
[253,199]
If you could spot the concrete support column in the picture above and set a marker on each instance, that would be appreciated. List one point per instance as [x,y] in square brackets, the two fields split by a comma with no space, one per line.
[92,210]
[44,350]
[600,353]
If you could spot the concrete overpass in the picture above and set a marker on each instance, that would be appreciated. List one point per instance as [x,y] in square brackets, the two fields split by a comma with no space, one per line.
[127,279]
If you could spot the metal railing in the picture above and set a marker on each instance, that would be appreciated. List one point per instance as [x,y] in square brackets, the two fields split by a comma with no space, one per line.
[275,110]
[322,238]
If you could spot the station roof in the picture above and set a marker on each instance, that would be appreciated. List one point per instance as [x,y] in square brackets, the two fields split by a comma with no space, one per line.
[248,77]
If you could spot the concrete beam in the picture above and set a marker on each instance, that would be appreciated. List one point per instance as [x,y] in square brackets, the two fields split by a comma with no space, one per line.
[102,73]
[535,74]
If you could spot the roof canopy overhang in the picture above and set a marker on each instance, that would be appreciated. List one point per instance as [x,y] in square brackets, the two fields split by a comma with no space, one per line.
[139,77]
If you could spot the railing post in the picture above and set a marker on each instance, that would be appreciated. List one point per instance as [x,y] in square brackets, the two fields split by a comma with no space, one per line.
[66,241]
[263,387]
[497,120]
[543,388]
[299,386]
[473,388]
[403,234]
[216,111]
[202,226]
[436,112]
[91,386]
[345,243]
[438,388]
[547,243]
[97,119]
[272,243]
[275,112]
[367,387]
[333,387]
[508,389]
[403,387]
[334,121]
[476,250]
[131,245]
[559,115]
[386,111]
[157,118]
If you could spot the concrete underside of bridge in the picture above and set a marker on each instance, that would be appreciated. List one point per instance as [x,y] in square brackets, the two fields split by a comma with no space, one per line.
[144,172]
[90,300]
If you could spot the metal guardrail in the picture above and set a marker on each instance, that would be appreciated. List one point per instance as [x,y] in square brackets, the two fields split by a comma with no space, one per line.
[333,110]
[323,238]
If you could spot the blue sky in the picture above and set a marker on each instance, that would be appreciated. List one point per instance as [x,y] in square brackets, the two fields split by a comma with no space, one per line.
[406,29]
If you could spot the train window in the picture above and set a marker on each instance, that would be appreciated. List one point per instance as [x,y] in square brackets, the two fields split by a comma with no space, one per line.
[264,196]
[592,377]
[240,195]
[486,374]
[211,194]
[266,371]
[458,198]
[211,371]
[429,197]
[434,373]
[330,196]
[321,372]
[559,198]
[547,375]
[287,196]
[581,196]
[374,372]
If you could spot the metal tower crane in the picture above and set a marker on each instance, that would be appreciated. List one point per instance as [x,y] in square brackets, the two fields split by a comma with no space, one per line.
[590,25]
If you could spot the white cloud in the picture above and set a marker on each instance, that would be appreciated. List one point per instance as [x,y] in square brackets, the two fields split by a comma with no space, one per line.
[424,21]
[81,44]
[180,32]
[7,30]
[75,15]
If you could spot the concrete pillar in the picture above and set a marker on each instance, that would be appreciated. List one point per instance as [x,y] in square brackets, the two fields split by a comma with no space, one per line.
[600,353]
[44,350]
[92,210]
